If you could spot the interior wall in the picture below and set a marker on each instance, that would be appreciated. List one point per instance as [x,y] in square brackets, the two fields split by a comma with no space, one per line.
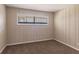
[67,26]
[28,33]
[2,27]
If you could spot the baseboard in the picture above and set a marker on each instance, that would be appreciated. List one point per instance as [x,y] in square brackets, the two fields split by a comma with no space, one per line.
[1,50]
[29,42]
[67,45]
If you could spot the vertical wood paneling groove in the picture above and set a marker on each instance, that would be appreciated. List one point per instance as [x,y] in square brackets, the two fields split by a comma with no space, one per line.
[75,25]
[64,25]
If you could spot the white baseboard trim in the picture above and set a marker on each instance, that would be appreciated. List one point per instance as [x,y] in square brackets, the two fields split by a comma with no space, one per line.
[1,50]
[29,42]
[67,45]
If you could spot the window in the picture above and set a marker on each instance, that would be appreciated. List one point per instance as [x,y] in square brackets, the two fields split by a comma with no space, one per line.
[21,20]
[29,20]
[40,20]
[32,20]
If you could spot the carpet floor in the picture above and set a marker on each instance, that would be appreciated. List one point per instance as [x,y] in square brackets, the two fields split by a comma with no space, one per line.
[43,47]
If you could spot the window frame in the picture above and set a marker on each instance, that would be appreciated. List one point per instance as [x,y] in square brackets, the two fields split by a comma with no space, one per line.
[34,19]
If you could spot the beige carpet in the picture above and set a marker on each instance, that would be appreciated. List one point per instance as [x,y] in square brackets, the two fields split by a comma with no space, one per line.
[44,47]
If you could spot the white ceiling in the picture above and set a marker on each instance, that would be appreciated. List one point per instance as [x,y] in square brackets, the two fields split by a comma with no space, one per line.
[41,7]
